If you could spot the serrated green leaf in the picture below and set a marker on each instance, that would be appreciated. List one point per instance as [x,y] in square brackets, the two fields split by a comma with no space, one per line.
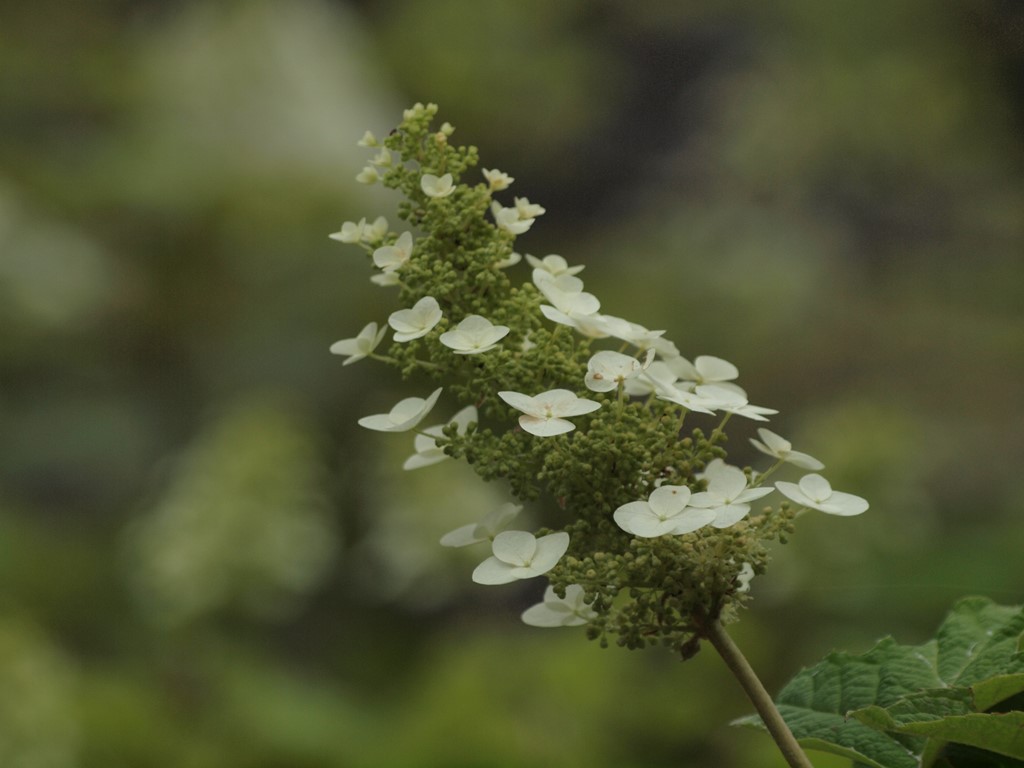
[1000,732]
[988,693]
[979,640]
[834,734]
[906,702]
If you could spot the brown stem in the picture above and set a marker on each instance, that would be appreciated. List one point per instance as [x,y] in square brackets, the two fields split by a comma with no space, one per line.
[762,701]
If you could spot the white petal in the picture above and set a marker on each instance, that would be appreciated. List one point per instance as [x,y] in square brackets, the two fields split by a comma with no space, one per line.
[815,487]
[727,482]
[691,519]
[550,549]
[544,427]
[752,494]
[515,547]
[669,500]
[461,537]
[493,571]
[844,504]
[773,444]
[522,402]
[804,461]
[792,491]
[730,514]
[715,368]
[545,615]
[425,459]
[497,519]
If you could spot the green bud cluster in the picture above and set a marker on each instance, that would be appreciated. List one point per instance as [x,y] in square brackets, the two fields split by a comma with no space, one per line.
[645,591]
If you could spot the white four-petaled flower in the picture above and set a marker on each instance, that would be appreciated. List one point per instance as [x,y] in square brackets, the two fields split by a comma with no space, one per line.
[727,494]
[509,219]
[520,555]
[361,346]
[555,611]
[528,210]
[815,492]
[553,264]
[497,180]
[493,523]
[406,415]
[391,258]
[608,370]
[546,414]
[666,511]
[368,175]
[705,369]
[427,450]
[782,449]
[350,232]
[437,186]
[418,321]
[475,334]
[566,293]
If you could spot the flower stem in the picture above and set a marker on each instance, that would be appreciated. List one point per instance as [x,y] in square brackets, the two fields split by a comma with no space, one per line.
[762,701]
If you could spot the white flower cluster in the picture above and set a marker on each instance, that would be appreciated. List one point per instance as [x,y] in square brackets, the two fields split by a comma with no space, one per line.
[655,369]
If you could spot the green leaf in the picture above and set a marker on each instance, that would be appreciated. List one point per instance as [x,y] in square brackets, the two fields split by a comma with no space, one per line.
[997,732]
[899,706]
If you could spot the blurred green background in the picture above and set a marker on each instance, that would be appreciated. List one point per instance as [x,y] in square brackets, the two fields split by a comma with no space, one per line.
[204,564]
